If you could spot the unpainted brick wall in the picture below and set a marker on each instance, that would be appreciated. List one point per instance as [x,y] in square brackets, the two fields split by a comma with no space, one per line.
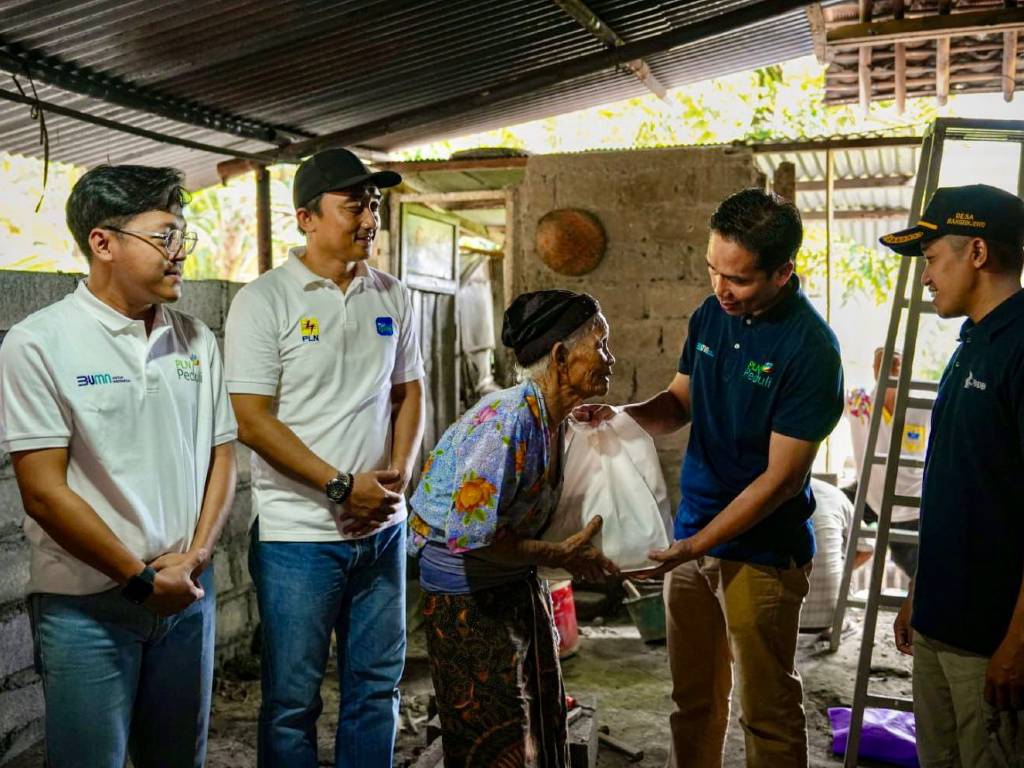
[654,206]
[21,699]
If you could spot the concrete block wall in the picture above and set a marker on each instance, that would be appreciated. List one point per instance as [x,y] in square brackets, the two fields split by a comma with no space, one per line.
[21,699]
[654,206]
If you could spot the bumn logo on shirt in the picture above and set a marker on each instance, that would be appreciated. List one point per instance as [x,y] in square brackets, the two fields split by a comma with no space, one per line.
[93,379]
[309,327]
[189,369]
[704,348]
[759,373]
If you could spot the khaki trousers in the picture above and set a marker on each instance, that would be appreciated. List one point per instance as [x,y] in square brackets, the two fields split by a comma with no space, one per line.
[719,612]
[956,727]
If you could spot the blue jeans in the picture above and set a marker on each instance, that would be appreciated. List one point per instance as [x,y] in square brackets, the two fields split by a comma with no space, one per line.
[306,591]
[118,679]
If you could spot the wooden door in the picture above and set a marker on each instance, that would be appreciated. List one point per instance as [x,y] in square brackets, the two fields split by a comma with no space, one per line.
[429,265]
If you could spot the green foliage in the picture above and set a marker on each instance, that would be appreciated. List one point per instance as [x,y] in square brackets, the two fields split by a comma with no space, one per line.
[856,269]
[32,240]
[224,217]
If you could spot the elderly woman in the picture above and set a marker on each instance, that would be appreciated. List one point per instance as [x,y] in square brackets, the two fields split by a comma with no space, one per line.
[485,497]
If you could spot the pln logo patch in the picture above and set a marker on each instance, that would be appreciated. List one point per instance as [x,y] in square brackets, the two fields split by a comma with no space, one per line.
[915,438]
[189,369]
[385,326]
[309,328]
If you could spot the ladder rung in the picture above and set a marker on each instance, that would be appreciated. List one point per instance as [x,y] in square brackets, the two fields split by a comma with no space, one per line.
[927,307]
[895,534]
[901,703]
[891,600]
[906,501]
[924,386]
[911,463]
[922,403]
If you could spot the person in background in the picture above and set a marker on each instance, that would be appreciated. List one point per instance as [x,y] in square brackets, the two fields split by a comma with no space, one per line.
[859,404]
[832,520]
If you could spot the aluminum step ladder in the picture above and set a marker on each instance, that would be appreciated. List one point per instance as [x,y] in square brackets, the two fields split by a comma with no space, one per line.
[908,306]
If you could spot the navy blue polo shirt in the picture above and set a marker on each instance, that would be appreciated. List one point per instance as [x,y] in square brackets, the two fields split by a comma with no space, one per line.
[972,525]
[751,376]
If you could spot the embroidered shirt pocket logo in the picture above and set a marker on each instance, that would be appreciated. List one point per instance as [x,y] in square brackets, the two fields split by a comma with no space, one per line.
[385,326]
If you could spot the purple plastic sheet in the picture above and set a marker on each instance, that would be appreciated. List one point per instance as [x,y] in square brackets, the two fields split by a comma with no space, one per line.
[887,735]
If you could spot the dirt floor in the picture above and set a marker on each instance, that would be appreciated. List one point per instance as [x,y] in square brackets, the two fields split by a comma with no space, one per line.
[626,679]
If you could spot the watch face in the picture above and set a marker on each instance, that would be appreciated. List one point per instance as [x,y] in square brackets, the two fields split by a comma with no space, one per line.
[335,489]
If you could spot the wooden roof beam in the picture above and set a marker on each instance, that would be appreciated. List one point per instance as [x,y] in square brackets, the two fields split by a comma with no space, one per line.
[926,28]
[596,26]
[864,58]
[942,59]
[819,33]
[900,63]
[871,182]
[1009,58]
[873,214]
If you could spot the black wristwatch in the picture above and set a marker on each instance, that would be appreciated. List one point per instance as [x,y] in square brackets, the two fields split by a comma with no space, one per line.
[139,587]
[339,487]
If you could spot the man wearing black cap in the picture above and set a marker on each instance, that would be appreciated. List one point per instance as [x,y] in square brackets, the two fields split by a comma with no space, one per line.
[324,372]
[966,605]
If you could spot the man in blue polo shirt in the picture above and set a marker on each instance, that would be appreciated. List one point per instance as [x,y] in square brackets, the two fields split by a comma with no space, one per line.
[761,383]
[966,605]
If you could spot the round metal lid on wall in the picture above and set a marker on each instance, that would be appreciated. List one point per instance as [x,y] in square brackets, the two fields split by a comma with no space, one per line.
[570,241]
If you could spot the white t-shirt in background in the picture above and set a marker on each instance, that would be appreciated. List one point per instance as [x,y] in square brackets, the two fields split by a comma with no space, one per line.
[914,446]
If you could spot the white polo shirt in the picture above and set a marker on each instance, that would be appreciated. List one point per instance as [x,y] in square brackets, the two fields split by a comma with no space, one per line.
[329,359]
[139,417]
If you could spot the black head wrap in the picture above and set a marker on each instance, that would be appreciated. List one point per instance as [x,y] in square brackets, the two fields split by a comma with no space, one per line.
[535,322]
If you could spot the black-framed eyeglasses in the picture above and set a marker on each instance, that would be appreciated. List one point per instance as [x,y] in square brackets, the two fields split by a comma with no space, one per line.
[173,241]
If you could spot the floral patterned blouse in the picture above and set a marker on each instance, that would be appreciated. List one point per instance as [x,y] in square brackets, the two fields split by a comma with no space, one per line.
[488,474]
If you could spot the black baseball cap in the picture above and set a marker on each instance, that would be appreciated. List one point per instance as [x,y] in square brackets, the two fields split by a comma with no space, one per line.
[332,170]
[976,210]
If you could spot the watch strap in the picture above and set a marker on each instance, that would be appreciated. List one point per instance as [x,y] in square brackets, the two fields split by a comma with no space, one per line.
[140,586]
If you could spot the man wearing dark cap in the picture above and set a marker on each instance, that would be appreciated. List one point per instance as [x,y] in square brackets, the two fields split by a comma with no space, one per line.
[966,605]
[324,372]
[760,382]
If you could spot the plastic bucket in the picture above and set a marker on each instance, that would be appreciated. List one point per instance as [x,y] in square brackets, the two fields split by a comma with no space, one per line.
[648,614]
[565,618]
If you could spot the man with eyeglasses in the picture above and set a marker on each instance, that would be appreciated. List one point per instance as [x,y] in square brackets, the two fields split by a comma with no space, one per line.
[114,411]
[325,375]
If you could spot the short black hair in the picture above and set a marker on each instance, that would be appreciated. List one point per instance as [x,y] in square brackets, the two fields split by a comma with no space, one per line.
[762,222]
[1009,258]
[1004,257]
[313,206]
[112,195]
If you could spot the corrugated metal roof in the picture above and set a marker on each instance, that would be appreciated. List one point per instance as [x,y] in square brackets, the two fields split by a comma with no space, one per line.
[884,208]
[320,66]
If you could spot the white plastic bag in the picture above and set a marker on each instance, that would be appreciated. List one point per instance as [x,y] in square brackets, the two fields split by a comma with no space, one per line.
[612,470]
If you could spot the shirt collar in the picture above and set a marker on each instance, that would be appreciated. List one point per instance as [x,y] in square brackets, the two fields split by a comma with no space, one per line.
[783,307]
[992,323]
[297,267]
[109,316]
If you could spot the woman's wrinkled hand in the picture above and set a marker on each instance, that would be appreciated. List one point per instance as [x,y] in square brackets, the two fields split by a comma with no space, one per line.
[581,558]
